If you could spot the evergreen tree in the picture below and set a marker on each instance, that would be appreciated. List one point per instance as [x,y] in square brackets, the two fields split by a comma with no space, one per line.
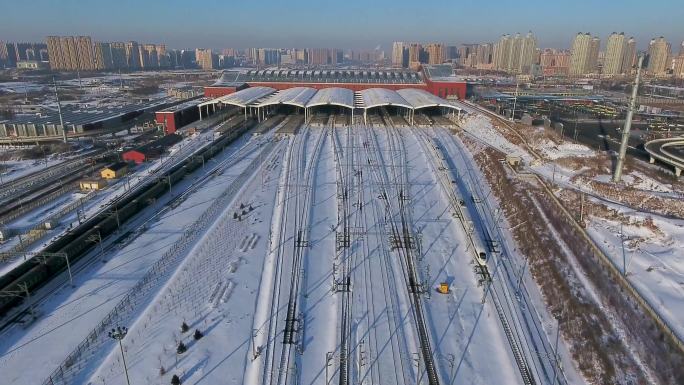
[181,348]
[175,380]
[198,334]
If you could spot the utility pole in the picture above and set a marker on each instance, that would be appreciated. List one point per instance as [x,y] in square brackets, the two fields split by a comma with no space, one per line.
[628,125]
[59,111]
[118,334]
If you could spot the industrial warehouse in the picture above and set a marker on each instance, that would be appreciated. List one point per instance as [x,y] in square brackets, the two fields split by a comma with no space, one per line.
[79,120]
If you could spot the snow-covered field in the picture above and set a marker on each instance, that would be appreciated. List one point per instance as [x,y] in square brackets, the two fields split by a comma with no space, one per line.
[652,258]
[554,151]
[276,244]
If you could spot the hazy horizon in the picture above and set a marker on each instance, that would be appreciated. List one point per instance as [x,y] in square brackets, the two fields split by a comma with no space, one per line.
[354,24]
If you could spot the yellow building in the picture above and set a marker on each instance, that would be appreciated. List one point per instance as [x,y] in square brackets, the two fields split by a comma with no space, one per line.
[92,184]
[114,171]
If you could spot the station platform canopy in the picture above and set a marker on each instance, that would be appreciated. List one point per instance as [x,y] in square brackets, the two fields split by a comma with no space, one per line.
[242,98]
[423,99]
[261,100]
[296,96]
[377,97]
[333,96]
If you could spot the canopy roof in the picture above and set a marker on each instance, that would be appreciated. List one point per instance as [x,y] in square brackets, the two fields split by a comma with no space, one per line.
[423,99]
[333,96]
[375,97]
[297,96]
[306,97]
[242,98]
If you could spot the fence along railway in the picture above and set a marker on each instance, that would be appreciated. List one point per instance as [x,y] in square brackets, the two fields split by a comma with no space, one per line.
[33,274]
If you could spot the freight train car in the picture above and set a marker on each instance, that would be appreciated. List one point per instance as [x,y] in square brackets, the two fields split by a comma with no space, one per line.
[78,241]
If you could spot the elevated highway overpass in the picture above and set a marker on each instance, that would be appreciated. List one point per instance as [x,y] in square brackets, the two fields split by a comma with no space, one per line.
[669,151]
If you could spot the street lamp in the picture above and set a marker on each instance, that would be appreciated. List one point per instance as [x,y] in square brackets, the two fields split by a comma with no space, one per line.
[118,334]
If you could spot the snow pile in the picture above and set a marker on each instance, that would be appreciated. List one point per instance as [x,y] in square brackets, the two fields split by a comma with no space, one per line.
[554,151]
[482,129]
[638,181]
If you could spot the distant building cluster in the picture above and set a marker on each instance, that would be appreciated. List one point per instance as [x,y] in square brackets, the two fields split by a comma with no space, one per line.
[517,54]
[79,53]
[23,55]
[412,55]
[520,54]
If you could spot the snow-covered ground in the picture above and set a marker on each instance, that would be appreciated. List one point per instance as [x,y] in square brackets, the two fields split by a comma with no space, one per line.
[118,188]
[14,169]
[554,151]
[652,258]
[68,314]
[234,283]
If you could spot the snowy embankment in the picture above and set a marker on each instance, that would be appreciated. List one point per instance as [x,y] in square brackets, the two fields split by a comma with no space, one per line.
[649,249]
[213,291]
[100,286]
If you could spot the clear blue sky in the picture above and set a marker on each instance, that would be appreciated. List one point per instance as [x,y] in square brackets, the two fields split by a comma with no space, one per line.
[340,23]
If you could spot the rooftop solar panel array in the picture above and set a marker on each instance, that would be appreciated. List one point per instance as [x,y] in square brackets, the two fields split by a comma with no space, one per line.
[323,76]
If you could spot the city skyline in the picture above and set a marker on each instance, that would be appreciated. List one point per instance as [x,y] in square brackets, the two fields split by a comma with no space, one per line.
[268,23]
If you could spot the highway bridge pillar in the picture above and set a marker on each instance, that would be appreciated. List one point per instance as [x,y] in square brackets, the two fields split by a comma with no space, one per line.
[678,171]
[651,160]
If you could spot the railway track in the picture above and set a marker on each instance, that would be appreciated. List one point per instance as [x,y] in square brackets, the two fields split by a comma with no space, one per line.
[32,275]
[20,187]
[113,243]
[31,199]
[294,197]
[303,196]
[397,342]
[528,341]
[403,241]
[343,161]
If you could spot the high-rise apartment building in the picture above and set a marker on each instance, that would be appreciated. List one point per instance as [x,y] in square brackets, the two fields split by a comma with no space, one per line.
[515,54]
[554,62]
[149,58]
[400,55]
[435,53]
[71,53]
[616,49]
[483,56]
[206,59]
[318,56]
[584,54]
[451,53]
[133,55]
[4,56]
[466,54]
[679,66]
[659,52]
[502,52]
[630,58]
[414,55]
[118,51]
[103,56]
